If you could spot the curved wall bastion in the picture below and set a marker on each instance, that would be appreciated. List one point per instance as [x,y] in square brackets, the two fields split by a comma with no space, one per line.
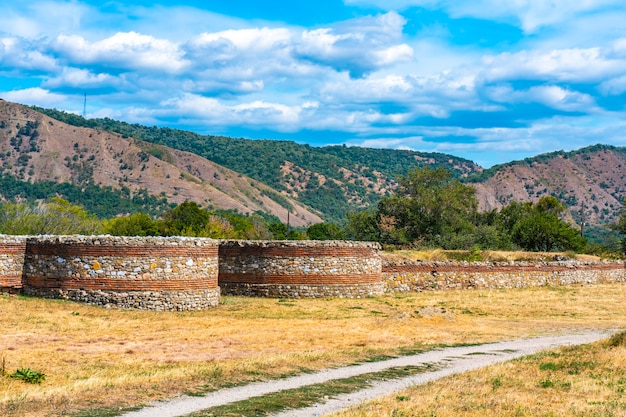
[300,269]
[178,273]
[128,272]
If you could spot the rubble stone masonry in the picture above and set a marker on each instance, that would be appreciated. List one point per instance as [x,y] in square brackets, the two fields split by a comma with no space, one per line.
[423,276]
[300,269]
[177,273]
[128,272]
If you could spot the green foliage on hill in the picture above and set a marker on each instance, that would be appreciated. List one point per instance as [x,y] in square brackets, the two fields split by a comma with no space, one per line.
[351,175]
[102,201]
[57,217]
[430,208]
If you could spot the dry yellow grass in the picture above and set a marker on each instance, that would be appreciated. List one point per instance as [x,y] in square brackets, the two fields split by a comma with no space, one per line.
[581,381]
[93,357]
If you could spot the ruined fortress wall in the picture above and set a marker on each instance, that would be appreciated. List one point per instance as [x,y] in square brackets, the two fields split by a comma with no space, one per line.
[12,250]
[128,272]
[300,269]
[423,276]
[183,273]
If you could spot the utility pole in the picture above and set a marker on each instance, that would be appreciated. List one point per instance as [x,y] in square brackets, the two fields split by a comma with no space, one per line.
[85,106]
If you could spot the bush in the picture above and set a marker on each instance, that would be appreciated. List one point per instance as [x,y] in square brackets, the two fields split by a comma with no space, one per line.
[29,375]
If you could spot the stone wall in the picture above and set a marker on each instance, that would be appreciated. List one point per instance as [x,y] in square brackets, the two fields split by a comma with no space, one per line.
[128,272]
[12,249]
[297,269]
[183,273]
[422,276]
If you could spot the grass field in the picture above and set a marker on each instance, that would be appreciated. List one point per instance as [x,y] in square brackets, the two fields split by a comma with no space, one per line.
[98,359]
[578,381]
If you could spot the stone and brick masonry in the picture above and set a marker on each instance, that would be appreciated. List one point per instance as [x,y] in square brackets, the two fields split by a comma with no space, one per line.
[187,273]
[128,272]
[294,269]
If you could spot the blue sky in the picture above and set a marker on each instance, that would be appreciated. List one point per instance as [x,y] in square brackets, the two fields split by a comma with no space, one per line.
[488,80]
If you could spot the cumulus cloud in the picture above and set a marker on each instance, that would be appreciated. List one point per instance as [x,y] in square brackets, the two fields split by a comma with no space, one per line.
[359,46]
[128,50]
[34,96]
[550,95]
[573,64]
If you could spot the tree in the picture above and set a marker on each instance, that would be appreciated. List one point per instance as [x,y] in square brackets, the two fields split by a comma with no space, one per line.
[325,231]
[430,206]
[186,219]
[362,225]
[136,224]
[541,229]
[57,217]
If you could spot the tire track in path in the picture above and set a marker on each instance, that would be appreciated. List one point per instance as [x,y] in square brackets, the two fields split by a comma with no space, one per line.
[449,361]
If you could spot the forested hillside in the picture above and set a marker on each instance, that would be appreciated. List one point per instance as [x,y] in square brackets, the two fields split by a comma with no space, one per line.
[107,171]
[155,166]
[332,179]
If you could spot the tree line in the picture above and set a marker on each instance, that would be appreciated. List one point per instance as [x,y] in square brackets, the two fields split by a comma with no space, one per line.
[432,209]
[429,209]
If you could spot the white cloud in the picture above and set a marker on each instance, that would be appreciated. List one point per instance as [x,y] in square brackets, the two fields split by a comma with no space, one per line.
[128,50]
[34,96]
[550,95]
[358,46]
[42,18]
[74,77]
[255,114]
[19,54]
[578,65]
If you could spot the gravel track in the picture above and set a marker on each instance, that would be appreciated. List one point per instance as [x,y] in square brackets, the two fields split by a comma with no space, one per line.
[448,360]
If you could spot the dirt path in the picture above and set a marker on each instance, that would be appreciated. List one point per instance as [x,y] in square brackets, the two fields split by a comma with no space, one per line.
[450,361]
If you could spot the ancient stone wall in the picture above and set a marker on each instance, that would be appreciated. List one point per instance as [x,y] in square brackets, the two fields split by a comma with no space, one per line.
[297,269]
[128,272]
[423,276]
[183,273]
[12,250]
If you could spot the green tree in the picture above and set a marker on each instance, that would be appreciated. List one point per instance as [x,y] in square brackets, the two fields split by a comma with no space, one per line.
[186,219]
[362,225]
[325,231]
[429,207]
[57,217]
[136,224]
[541,229]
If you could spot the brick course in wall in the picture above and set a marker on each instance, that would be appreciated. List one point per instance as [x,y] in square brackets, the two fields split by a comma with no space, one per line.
[294,269]
[423,276]
[12,249]
[184,273]
[147,273]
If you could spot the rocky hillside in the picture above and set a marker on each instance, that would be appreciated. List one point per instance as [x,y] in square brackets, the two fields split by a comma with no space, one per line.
[312,183]
[330,179]
[593,178]
[35,148]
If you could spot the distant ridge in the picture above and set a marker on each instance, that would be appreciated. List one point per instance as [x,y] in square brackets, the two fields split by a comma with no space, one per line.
[274,177]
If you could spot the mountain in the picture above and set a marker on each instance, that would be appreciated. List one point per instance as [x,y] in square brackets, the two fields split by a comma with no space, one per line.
[35,148]
[312,183]
[332,179]
[591,178]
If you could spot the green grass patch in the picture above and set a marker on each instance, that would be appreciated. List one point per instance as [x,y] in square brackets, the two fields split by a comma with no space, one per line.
[307,396]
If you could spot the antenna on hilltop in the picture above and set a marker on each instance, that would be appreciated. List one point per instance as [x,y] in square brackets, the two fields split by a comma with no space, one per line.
[85,105]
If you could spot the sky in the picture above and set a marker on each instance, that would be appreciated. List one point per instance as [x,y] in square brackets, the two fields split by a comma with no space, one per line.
[488,80]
